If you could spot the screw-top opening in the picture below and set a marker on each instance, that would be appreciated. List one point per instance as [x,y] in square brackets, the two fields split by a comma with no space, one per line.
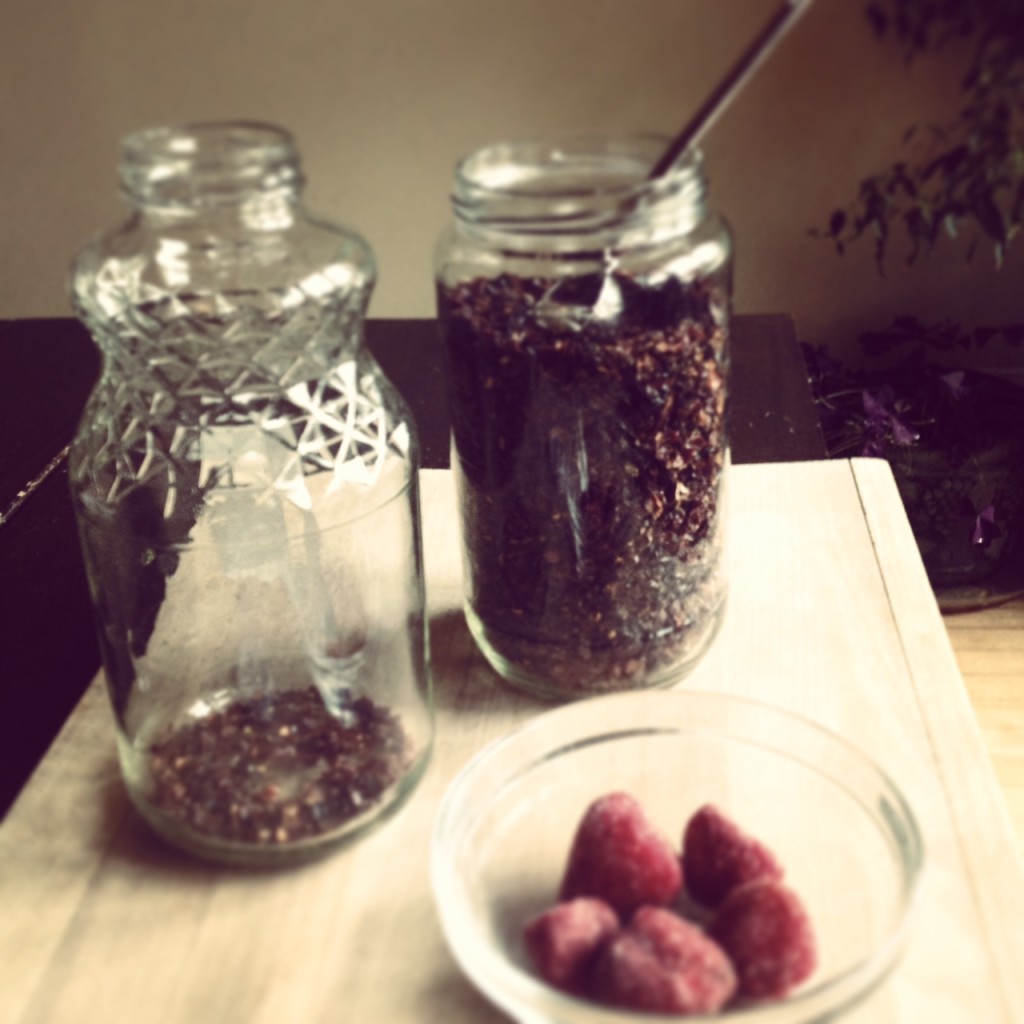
[204,164]
[578,187]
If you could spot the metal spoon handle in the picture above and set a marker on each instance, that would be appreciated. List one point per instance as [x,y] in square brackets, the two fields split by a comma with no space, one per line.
[733,82]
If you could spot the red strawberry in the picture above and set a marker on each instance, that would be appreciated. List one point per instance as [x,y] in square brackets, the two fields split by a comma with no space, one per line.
[619,857]
[718,857]
[767,934]
[662,964]
[563,941]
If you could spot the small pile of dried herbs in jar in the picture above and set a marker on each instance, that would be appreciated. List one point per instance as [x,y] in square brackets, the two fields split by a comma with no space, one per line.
[589,423]
[277,767]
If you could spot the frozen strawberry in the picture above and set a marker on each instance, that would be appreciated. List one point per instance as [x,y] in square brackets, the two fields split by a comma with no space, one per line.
[766,932]
[563,941]
[660,963]
[718,856]
[619,857]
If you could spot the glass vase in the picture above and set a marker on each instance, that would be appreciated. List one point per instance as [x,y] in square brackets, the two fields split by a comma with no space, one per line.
[245,484]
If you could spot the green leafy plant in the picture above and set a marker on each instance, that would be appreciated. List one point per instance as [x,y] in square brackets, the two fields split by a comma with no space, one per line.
[968,173]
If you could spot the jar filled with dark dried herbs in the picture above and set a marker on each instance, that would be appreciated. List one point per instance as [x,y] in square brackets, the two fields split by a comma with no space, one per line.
[585,313]
[245,483]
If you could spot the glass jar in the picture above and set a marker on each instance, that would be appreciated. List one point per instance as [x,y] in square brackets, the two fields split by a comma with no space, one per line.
[585,313]
[245,484]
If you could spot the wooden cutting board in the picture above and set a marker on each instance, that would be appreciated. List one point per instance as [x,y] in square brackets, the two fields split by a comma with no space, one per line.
[830,615]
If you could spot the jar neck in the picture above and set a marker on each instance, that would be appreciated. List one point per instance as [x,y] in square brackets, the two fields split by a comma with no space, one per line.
[580,193]
[190,169]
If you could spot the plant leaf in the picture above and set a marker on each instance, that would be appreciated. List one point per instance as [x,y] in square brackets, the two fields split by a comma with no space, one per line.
[878,18]
[985,528]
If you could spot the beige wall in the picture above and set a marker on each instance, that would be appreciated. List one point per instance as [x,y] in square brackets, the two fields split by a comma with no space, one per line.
[385,94]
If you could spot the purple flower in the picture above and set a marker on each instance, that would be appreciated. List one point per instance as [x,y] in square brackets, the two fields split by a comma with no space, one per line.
[985,529]
[955,382]
[880,415]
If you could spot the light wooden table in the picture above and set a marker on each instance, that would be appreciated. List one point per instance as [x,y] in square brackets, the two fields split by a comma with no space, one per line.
[989,648]
[830,615]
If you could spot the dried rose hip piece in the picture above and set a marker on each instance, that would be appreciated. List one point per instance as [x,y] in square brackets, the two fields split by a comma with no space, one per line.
[563,941]
[765,930]
[661,963]
[612,579]
[617,855]
[277,767]
[718,856]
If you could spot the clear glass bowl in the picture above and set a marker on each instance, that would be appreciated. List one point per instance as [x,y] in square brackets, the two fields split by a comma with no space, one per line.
[844,833]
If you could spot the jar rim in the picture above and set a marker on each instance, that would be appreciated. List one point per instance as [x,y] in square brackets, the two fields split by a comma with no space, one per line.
[204,141]
[519,167]
[582,191]
[202,162]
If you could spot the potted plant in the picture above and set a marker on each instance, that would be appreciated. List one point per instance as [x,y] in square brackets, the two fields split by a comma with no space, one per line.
[967,174]
[953,436]
[954,439]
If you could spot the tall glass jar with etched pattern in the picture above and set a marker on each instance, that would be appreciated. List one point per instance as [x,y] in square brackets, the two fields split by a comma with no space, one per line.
[244,479]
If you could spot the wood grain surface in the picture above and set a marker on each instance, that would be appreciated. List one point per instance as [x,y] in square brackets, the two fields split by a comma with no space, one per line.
[830,616]
[989,648]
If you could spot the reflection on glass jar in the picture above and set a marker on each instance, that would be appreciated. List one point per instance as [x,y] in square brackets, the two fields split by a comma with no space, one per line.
[245,484]
[585,312]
